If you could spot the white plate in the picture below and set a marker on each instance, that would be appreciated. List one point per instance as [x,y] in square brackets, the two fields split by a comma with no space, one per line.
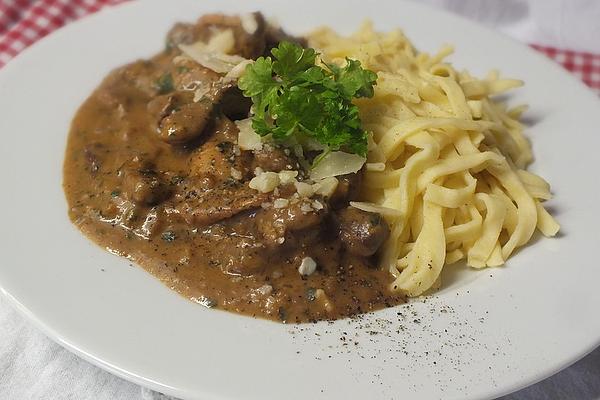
[485,334]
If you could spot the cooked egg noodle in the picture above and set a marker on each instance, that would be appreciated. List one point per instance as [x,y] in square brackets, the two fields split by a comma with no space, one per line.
[448,161]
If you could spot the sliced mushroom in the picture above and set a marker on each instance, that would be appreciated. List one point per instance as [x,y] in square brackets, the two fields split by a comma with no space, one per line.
[361,232]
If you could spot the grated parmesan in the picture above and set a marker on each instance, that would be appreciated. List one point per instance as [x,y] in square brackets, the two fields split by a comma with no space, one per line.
[249,23]
[280,203]
[326,187]
[304,189]
[307,266]
[236,174]
[286,177]
[265,290]
[213,55]
[265,182]
[305,208]
[317,205]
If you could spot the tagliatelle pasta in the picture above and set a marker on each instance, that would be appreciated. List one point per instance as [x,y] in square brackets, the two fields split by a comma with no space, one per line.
[446,162]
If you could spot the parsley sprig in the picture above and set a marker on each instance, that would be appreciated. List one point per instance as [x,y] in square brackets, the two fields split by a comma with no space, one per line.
[294,96]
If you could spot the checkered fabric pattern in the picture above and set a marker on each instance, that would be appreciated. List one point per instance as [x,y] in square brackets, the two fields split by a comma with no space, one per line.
[585,66]
[23,22]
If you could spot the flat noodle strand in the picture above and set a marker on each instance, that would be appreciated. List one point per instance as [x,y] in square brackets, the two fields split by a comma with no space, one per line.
[446,161]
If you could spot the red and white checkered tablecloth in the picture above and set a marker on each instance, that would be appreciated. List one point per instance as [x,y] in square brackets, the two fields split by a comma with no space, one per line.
[23,22]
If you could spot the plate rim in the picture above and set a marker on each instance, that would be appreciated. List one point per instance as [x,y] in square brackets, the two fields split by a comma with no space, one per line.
[130,376]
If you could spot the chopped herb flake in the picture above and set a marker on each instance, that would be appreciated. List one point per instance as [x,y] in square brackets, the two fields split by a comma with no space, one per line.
[168,236]
[164,84]
[176,180]
[311,294]
[282,314]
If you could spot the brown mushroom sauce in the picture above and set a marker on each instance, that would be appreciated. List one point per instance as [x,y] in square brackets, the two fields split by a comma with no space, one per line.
[155,175]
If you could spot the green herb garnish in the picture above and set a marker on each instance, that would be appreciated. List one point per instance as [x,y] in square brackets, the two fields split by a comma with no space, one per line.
[311,294]
[164,84]
[293,96]
[168,236]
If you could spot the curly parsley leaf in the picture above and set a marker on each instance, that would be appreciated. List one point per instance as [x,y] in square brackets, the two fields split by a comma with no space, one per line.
[259,78]
[293,96]
[354,80]
[258,83]
[291,59]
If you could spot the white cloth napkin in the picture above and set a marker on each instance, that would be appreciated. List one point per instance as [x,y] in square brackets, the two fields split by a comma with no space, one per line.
[566,24]
[34,368]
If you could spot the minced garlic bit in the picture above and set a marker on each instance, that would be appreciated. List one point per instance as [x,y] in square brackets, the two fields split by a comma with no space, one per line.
[265,182]
[307,266]
[276,274]
[304,189]
[322,297]
[295,198]
[306,208]
[280,203]
[236,174]
[286,177]
[265,290]
[317,205]
[249,23]
[248,139]
[326,187]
